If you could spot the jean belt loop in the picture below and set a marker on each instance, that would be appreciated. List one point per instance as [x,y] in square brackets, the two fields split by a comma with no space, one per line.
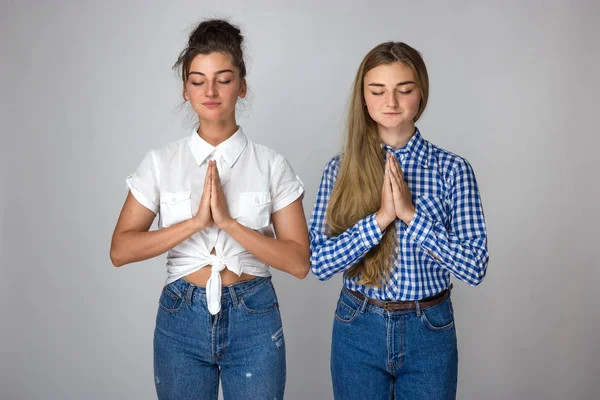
[418,307]
[363,306]
[233,295]
[189,293]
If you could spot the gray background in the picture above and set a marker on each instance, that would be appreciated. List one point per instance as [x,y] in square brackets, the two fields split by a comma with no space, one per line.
[87,89]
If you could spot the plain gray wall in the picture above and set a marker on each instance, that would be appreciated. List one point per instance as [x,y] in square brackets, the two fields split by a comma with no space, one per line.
[87,89]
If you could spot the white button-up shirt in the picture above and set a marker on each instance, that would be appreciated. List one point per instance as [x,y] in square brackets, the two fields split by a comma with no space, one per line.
[256,182]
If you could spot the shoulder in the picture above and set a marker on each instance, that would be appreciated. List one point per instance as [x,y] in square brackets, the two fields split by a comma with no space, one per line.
[265,154]
[167,152]
[332,168]
[451,164]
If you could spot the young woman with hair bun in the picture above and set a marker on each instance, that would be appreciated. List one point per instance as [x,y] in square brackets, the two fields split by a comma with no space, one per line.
[228,210]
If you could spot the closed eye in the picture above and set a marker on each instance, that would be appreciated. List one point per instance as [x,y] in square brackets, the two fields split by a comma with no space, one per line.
[377,94]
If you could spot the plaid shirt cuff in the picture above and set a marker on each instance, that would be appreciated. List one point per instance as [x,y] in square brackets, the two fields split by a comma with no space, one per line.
[419,229]
[369,231]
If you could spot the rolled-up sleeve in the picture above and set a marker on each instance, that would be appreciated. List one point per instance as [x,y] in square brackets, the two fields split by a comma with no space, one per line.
[285,186]
[143,183]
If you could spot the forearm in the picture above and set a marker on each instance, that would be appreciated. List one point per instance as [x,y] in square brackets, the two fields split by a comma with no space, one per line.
[331,255]
[465,258]
[284,255]
[132,246]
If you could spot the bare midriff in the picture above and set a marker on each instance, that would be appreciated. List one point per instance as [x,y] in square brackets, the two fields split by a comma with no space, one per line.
[228,278]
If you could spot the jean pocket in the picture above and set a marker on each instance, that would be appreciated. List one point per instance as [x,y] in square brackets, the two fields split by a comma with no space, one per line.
[346,311]
[170,299]
[438,318]
[260,301]
[175,207]
[254,209]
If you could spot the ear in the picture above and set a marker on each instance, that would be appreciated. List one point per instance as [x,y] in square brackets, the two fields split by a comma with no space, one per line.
[243,89]
[185,94]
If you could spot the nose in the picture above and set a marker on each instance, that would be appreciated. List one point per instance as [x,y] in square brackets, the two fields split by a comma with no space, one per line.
[211,90]
[391,100]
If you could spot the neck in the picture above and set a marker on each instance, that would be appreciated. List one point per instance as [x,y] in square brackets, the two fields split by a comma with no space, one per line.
[216,132]
[396,137]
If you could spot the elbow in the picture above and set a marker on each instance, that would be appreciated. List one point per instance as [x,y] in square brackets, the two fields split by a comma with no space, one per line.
[303,269]
[301,274]
[116,258]
[476,281]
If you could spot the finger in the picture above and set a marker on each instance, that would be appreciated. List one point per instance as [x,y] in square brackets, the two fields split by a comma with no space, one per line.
[388,174]
[394,183]
[207,181]
[216,177]
[388,163]
[213,181]
[403,182]
[387,184]
[396,174]
[386,170]
[398,168]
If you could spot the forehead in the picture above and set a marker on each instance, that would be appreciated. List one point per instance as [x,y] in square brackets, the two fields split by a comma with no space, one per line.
[212,62]
[390,74]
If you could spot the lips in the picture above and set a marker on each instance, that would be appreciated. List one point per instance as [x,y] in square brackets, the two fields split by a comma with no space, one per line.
[211,104]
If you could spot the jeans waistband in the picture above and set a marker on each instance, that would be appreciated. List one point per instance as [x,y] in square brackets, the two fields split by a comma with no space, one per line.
[228,293]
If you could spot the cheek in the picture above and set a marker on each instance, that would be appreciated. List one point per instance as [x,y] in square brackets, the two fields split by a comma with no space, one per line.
[230,93]
[411,102]
[193,91]
[373,104]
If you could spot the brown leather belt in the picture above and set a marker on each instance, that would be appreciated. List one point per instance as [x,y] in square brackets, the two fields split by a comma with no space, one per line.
[407,305]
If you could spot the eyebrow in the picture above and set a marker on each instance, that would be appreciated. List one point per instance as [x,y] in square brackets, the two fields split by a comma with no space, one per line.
[397,84]
[218,72]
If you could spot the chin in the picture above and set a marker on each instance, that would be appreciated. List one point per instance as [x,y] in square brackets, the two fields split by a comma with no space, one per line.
[212,115]
[390,125]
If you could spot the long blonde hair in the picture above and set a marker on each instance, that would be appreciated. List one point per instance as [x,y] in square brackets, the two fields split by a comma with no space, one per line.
[357,191]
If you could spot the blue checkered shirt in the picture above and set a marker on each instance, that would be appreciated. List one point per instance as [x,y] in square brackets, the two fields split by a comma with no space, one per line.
[448,223]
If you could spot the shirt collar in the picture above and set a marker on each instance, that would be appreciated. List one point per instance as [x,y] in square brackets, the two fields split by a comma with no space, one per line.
[417,147]
[229,149]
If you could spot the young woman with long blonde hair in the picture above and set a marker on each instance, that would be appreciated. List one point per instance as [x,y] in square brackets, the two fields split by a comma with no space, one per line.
[398,216]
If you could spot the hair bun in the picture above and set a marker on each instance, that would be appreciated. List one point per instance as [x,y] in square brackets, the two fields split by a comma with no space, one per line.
[215,35]
[216,30]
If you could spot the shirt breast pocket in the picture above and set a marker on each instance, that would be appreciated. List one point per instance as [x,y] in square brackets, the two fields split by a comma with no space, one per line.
[254,209]
[434,207]
[175,207]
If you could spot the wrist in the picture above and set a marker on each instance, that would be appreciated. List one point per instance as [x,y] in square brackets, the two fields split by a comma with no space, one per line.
[196,224]
[383,221]
[228,224]
[408,216]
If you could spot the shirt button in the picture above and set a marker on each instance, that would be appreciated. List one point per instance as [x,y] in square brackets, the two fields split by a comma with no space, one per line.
[414,237]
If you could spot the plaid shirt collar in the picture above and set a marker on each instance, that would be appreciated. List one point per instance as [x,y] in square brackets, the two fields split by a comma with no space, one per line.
[417,148]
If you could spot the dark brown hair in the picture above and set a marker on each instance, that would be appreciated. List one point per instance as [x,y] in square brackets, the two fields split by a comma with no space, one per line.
[215,35]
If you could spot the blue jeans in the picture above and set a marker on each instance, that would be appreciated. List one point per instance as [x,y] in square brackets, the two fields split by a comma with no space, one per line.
[243,344]
[378,354]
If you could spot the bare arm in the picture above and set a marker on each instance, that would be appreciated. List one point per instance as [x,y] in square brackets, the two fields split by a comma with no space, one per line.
[133,242]
[289,252]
